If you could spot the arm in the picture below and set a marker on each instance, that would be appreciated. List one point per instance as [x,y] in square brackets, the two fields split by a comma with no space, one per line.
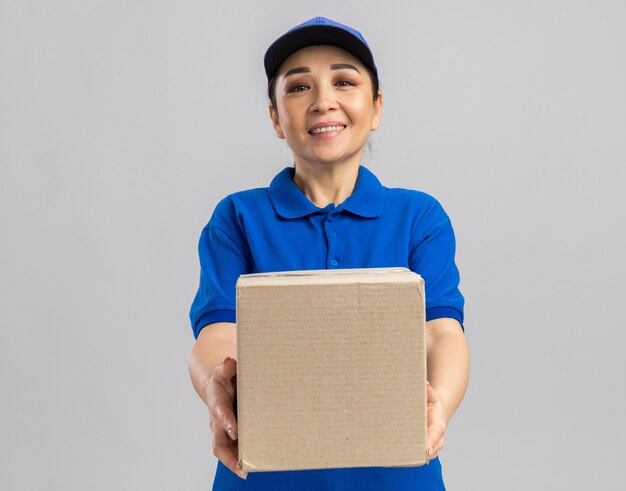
[213,369]
[448,373]
[214,343]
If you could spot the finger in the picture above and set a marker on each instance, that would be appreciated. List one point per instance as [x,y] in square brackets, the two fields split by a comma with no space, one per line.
[221,412]
[226,425]
[431,395]
[230,367]
[222,392]
[227,452]
[441,443]
[224,373]
[434,450]
[436,431]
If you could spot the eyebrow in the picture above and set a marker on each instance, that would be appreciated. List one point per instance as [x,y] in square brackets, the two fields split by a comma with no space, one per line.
[300,69]
[343,66]
[335,66]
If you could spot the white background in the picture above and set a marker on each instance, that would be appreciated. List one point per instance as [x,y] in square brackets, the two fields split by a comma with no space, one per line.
[122,123]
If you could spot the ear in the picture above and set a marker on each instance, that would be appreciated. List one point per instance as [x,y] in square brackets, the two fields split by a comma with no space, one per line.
[276,122]
[378,111]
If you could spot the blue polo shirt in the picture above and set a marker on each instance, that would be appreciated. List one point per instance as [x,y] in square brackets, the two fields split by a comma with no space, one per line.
[280,229]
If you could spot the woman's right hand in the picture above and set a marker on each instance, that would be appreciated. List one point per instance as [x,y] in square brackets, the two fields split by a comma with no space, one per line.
[221,393]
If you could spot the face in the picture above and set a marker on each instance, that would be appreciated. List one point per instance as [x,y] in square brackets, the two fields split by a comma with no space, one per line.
[325,108]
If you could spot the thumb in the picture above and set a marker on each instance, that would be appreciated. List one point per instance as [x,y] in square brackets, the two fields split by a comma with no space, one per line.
[230,367]
[430,392]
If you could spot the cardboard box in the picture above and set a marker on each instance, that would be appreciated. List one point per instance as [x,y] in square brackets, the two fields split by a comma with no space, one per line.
[331,369]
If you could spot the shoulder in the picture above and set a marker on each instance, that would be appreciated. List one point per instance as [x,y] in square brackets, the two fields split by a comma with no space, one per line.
[418,204]
[238,205]
[412,196]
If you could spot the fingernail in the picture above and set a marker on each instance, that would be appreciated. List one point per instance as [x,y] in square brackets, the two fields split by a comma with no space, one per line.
[230,433]
[226,359]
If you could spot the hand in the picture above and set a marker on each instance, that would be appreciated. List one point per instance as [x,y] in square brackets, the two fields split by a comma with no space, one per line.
[437,422]
[221,393]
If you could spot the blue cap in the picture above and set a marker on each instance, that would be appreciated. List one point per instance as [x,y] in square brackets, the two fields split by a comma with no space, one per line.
[316,31]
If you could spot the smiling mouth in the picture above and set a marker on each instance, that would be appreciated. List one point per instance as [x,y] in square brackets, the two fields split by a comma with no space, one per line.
[326,129]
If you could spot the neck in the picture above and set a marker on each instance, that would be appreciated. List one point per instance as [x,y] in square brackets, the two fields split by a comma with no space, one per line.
[323,184]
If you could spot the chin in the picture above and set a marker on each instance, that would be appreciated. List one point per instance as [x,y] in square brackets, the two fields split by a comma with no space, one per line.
[331,159]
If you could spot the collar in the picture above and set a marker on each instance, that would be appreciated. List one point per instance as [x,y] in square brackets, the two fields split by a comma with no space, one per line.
[289,202]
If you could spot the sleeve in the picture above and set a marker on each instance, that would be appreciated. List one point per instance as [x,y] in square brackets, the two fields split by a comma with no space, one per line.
[432,256]
[222,260]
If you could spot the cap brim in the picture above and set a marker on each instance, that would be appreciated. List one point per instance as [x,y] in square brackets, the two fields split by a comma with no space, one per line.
[292,41]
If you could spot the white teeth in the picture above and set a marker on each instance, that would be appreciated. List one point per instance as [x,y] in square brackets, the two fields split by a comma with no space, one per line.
[326,129]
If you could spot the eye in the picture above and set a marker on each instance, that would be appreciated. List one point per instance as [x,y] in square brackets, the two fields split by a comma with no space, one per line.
[345,83]
[297,88]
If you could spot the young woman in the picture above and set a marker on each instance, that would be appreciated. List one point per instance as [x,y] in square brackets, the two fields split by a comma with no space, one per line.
[327,211]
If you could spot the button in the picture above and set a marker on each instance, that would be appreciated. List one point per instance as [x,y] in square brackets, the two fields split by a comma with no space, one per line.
[334,262]
[333,233]
[329,218]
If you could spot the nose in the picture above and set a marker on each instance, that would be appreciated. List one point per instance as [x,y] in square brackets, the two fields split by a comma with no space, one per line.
[323,100]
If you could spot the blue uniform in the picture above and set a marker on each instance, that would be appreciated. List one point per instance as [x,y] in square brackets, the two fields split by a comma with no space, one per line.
[280,229]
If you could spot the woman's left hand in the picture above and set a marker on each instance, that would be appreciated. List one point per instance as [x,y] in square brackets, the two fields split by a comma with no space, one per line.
[437,421]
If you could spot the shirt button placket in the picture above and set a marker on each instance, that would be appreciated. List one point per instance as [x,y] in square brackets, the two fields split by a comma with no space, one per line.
[331,260]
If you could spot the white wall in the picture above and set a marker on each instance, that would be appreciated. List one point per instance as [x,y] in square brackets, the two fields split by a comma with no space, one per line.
[123,123]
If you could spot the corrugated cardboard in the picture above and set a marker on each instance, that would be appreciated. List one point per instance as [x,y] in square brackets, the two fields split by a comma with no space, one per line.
[331,369]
